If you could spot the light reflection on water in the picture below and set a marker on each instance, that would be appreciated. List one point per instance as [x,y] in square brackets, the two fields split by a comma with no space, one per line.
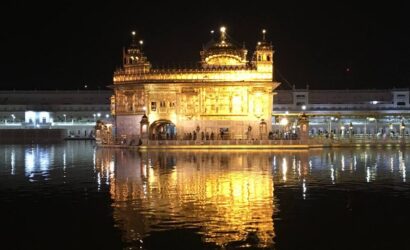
[228,195]
[230,199]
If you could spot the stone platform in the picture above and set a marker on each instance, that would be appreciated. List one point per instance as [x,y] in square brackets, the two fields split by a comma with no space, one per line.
[260,144]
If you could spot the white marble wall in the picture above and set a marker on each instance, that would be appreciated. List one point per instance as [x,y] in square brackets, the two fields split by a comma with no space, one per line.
[128,125]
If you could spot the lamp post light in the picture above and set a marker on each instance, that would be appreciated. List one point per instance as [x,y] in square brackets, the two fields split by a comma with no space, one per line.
[369,119]
[94,116]
[65,118]
[99,115]
[107,116]
[284,122]
[13,116]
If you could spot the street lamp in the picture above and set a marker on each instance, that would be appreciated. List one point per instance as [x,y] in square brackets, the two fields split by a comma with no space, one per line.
[65,118]
[107,116]
[94,116]
[98,115]
[12,116]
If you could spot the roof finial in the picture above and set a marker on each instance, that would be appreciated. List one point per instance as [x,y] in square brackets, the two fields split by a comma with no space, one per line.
[134,36]
[212,34]
[264,35]
[223,33]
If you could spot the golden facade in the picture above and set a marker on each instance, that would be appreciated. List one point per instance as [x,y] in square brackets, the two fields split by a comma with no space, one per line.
[226,92]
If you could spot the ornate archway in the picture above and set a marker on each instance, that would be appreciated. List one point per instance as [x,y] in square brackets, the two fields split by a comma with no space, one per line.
[162,130]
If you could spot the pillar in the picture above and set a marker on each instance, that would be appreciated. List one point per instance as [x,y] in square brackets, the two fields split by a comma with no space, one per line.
[144,127]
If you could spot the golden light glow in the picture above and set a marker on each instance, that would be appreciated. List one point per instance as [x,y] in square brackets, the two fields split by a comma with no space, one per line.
[224,60]
[141,42]
[264,31]
[200,104]
[284,121]
[173,118]
[199,76]
[133,33]
[193,192]
[284,169]
[236,104]
[227,88]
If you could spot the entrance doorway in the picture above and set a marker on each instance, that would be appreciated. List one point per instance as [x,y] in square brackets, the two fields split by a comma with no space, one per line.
[163,130]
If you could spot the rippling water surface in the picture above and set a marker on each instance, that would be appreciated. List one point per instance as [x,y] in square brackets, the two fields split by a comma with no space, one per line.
[74,196]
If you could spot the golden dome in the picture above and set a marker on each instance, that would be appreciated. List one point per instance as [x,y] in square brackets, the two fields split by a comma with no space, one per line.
[223,53]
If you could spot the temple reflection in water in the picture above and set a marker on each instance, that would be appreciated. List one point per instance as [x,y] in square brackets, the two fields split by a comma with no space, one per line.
[228,196]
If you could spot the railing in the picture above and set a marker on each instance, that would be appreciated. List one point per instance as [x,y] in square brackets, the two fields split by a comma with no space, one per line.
[311,141]
[359,140]
[223,142]
[337,107]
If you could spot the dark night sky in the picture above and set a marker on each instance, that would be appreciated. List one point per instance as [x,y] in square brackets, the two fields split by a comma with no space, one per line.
[66,44]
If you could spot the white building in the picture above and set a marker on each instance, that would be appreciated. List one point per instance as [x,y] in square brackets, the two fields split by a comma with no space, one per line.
[359,112]
[75,111]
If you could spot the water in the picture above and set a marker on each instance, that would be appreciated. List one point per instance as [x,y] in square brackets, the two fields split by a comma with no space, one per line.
[74,196]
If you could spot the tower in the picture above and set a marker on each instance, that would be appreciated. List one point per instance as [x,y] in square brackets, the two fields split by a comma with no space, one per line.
[134,60]
[263,56]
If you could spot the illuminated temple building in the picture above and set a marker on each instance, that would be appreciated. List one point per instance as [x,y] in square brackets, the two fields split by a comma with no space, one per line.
[227,95]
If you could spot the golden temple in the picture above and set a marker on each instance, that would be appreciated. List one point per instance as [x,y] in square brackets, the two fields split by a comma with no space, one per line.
[226,97]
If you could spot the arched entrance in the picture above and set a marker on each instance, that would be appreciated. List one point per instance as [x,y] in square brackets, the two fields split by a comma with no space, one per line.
[162,130]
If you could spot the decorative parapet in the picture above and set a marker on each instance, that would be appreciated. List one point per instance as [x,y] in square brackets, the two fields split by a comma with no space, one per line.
[233,75]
